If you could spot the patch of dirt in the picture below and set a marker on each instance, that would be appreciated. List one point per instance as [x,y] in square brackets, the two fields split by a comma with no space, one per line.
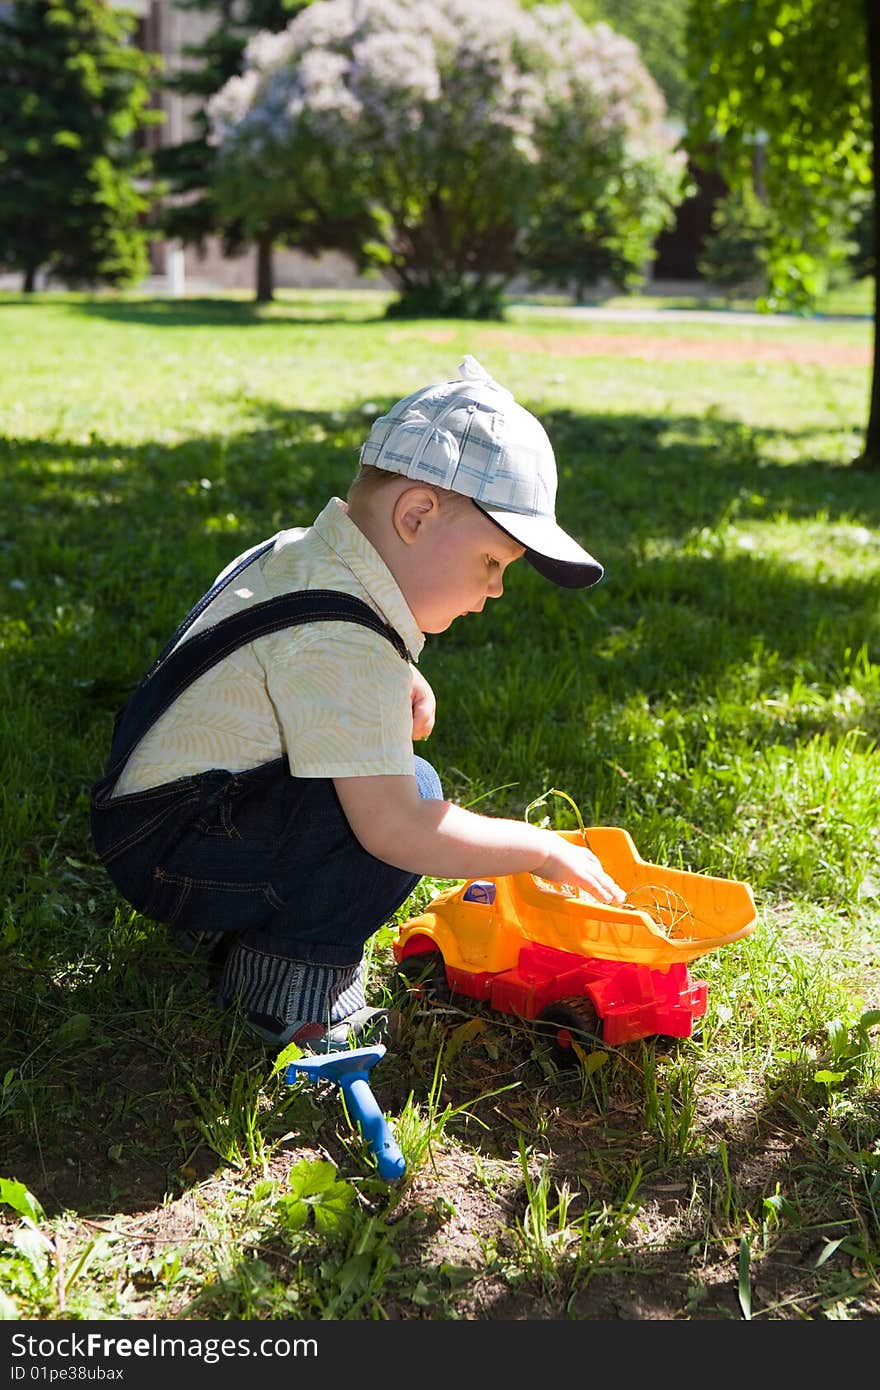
[663,349]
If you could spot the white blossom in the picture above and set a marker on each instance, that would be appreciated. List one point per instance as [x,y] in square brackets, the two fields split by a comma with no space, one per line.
[339,62]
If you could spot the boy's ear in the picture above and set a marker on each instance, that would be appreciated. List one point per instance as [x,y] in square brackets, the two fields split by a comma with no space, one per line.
[414,508]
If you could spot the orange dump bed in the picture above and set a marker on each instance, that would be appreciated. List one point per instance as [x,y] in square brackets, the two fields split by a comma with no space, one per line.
[670,915]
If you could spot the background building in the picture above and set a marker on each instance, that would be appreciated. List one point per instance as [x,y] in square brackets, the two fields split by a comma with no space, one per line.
[164,28]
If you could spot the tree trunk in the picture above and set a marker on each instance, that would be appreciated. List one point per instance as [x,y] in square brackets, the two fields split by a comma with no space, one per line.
[870,459]
[265,271]
[29,282]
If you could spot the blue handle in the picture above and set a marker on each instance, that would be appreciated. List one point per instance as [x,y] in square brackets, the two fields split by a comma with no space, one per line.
[374,1127]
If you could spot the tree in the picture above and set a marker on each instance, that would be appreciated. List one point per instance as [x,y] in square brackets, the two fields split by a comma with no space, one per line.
[799,81]
[452,145]
[74,97]
[657,29]
[602,200]
[735,255]
[191,213]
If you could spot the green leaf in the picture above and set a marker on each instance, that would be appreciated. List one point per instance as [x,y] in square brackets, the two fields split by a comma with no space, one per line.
[288,1054]
[73,1030]
[827,1251]
[8,1309]
[34,1246]
[354,1276]
[464,1033]
[590,1061]
[311,1178]
[293,1213]
[316,1192]
[332,1213]
[16,1195]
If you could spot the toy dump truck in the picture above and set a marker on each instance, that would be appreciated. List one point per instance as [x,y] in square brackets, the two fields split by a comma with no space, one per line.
[580,969]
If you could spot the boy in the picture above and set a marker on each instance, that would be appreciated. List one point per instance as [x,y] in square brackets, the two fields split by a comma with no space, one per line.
[263,796]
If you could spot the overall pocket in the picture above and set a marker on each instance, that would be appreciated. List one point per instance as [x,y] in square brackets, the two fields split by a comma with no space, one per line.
[192,903]
[257,807]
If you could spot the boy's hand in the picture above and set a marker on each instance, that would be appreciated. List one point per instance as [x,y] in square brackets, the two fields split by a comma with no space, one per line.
[424,705]
[575,864]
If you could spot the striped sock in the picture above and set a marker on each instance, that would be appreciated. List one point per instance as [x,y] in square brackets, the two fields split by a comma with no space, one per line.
[279,996]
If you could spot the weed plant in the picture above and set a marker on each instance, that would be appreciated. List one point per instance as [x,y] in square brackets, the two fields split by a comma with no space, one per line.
[717,695]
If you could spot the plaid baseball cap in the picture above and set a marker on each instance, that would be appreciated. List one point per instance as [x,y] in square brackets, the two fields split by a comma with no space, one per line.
[472,437]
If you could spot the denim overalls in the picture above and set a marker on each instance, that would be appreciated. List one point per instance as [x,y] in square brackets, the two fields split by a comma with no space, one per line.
[259,853]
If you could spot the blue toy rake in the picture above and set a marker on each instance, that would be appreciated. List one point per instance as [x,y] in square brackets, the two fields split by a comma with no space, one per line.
[349,1071]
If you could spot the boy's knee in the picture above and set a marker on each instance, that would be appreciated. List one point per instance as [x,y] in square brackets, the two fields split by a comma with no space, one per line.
[427,780]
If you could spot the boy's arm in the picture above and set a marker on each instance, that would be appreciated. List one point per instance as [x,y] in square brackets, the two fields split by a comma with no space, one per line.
[392,822]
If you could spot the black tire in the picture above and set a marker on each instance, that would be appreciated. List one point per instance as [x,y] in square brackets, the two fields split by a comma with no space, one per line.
[567,1020]
[426,972]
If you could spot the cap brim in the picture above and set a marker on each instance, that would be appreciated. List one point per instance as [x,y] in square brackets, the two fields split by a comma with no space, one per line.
[549,549]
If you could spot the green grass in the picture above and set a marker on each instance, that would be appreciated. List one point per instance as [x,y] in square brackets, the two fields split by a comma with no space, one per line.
[717,695]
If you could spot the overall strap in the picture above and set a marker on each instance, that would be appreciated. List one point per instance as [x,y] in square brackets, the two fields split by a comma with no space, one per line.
[178,666]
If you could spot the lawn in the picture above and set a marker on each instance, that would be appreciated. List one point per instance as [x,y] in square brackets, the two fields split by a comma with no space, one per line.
[717,696]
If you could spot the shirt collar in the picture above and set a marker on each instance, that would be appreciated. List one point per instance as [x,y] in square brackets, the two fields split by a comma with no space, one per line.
[345,539]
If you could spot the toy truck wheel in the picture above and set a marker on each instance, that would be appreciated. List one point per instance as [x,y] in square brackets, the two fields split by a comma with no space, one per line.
[426,971]
[568,1021]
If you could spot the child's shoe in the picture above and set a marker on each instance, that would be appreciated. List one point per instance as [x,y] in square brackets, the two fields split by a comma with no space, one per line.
[359,1029]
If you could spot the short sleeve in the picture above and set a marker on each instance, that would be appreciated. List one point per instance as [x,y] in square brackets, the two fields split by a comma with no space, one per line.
[342,696]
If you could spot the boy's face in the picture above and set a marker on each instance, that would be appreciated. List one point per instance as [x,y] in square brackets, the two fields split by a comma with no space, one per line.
[461,559]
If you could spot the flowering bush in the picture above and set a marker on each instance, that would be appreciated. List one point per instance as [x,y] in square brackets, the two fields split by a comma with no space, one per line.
[454,145]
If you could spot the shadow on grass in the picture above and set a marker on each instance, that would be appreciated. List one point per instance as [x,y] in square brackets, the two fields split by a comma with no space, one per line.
[216,312]
[136,533]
